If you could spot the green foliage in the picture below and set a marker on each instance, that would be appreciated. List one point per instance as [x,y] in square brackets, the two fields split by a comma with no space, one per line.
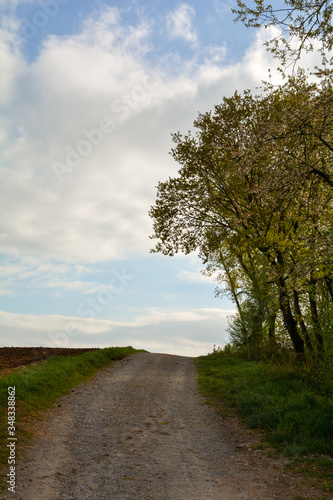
[265,351]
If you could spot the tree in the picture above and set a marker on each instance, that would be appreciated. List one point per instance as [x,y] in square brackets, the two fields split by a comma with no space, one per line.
[300,24]
[252,196]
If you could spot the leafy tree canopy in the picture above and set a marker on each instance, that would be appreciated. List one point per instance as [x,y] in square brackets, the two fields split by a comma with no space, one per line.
[254,196]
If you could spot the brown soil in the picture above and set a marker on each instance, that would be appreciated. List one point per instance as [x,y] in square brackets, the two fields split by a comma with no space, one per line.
[12,357]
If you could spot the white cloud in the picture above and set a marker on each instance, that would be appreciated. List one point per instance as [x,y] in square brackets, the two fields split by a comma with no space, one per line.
[91,104]
[177,332]
[215,54]
[179,24]
[196,277]
[33,273]
[156,316]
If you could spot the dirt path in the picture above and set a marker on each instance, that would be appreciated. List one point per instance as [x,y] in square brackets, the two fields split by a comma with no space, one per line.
[140,430]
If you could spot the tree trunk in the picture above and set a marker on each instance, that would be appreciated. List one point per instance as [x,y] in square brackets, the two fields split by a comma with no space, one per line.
[291,323]
[329,284]
[271,329]
[300,320]
[257,334]
[315,318]
[234,295]
[289,320]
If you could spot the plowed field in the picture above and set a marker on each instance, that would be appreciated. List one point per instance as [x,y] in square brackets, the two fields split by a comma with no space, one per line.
[11,357]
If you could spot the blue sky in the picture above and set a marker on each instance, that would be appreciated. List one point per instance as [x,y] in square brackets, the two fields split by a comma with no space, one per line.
[90,93]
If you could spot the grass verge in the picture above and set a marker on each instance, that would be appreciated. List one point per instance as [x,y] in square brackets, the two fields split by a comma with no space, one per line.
[38,386]
[295,414]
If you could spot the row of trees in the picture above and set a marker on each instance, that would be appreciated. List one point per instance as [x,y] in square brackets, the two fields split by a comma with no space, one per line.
[254,195]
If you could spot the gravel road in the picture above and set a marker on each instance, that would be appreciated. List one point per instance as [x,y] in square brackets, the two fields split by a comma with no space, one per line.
[140,430]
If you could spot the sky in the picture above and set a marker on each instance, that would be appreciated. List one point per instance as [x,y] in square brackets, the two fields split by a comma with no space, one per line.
[91,92]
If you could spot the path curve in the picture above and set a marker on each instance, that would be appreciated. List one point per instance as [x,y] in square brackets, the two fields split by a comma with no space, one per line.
[140,430]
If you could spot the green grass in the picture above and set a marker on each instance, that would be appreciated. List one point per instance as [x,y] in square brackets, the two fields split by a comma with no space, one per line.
[38,386]
[293,411]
